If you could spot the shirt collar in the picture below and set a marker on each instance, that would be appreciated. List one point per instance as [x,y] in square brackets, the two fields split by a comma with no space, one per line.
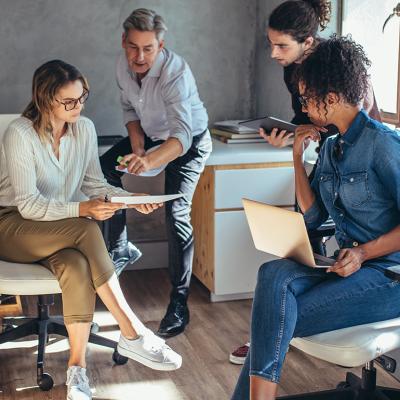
[355,129]
[155,70]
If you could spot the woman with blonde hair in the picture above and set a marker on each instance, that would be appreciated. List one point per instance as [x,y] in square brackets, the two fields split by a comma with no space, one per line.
[51,192]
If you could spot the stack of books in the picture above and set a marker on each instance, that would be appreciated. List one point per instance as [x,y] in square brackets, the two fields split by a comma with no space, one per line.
[234,133]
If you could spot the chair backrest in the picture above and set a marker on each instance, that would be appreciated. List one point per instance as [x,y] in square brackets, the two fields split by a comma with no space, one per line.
[5,120]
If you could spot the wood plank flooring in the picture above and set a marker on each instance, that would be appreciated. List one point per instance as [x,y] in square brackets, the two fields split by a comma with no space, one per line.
[215,329]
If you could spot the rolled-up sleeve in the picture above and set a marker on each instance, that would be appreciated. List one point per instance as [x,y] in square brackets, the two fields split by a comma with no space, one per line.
[177,93]
[317,214]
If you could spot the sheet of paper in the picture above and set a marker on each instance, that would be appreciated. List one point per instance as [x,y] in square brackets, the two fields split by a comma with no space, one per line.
[145,199]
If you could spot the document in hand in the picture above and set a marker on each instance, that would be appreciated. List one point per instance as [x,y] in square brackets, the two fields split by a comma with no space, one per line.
[145,199]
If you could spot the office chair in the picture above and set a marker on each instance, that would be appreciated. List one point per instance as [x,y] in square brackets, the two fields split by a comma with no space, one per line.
[33,279]
[352,347]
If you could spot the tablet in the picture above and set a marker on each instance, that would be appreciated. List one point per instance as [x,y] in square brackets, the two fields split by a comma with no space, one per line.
[269,123]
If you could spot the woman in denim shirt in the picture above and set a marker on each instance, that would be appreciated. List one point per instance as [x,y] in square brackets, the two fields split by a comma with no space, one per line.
[357,183]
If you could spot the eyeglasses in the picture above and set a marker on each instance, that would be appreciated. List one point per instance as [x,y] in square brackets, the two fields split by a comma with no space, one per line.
[338,149]
[303,101]
[70,104]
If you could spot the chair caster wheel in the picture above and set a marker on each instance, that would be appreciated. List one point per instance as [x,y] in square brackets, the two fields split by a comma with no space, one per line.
[94,328]
[118,359]
[45,382]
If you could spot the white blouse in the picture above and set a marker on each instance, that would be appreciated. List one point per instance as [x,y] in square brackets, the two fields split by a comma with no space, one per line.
[43,187]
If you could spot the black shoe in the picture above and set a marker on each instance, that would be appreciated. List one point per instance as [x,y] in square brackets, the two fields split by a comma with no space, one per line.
[175,319]
[124,255]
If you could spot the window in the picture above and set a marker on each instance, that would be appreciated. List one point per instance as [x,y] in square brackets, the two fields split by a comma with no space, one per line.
[364,20]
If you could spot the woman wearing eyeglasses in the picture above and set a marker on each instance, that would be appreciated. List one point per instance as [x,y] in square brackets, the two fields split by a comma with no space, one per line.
[357,183]
[52,191]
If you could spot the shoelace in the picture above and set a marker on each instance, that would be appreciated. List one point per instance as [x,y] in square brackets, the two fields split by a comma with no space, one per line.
[155,344]
[77,377]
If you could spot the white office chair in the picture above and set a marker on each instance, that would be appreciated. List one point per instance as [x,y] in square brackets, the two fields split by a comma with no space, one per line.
[352,347]
[34,279]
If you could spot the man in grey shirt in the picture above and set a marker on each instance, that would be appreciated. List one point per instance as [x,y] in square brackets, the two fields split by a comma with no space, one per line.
[161,107]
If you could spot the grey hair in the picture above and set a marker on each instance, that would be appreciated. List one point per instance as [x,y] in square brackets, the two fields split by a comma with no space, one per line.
[143,19]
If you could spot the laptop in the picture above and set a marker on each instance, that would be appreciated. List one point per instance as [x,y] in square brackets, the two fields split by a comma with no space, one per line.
[282,233]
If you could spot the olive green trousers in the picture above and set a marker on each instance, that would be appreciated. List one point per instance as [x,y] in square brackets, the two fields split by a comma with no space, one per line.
[73,249]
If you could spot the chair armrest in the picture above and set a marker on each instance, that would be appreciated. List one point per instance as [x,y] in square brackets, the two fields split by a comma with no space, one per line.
[393,273]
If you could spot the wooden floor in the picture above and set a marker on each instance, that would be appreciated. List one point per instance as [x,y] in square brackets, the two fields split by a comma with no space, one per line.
[215,330]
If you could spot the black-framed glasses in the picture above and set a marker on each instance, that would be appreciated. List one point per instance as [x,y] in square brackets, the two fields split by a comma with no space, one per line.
[338,149]
[70,104]
[303,100]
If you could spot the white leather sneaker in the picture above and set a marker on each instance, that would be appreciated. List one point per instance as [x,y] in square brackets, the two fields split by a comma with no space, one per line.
[78,384]
[151,351]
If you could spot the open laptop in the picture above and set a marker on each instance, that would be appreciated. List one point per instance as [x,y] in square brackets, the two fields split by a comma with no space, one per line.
[282,233]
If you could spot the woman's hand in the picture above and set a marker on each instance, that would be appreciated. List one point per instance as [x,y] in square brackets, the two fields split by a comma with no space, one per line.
[281,139]
[348,261]
[145,208]
[98,209]
[135,164]
[303,135]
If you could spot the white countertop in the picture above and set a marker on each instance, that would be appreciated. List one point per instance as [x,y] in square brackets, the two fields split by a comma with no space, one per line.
[247,153]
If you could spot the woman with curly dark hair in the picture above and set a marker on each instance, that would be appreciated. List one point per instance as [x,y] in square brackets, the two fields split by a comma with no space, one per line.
[357,183]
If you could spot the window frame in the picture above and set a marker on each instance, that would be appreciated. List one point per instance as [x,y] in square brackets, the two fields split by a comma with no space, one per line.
[387,117]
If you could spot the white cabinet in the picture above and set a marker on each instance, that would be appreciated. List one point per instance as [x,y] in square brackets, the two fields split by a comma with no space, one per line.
[225,259]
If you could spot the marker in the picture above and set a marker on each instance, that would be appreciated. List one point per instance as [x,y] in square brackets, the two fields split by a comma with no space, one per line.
[119,159]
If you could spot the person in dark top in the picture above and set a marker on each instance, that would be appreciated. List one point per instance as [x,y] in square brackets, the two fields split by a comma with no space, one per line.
[293,35]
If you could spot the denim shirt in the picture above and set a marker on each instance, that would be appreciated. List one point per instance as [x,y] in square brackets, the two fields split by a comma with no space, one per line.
[359,187]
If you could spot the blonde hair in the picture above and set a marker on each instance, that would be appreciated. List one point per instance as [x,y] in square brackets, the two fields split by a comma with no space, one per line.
[47,80]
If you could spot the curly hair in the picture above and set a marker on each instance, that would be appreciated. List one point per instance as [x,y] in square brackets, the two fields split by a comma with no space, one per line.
[337,65]
[301,18]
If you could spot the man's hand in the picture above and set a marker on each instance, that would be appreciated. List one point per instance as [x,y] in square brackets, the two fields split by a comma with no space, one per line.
[145,208]
[348,261]
[98,209]
[277,139]
[303,135]
[135,164]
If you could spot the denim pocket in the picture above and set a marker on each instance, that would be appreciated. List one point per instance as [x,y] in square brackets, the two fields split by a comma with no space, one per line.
[355,188]
[326,187]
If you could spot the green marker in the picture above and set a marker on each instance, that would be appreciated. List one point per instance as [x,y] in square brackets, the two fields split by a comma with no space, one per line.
[119,159]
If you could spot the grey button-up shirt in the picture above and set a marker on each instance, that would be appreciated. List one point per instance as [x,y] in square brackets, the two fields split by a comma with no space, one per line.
[167,103]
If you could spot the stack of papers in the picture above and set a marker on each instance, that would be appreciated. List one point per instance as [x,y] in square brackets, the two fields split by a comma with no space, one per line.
[231,131]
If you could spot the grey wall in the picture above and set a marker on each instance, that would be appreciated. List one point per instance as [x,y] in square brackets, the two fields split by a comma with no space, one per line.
[217,38]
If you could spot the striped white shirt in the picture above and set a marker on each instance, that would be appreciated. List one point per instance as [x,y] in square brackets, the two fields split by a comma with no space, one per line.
[43,187]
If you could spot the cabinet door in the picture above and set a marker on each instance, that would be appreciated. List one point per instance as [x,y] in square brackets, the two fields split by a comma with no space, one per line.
[274,186]
[236,259]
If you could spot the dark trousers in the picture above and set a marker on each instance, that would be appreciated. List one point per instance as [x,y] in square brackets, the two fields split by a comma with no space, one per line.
[181,176]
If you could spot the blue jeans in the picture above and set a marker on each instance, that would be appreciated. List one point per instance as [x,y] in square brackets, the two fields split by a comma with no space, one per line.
[292,300]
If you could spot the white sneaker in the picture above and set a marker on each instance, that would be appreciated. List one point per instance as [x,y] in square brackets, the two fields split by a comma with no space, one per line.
[78,384]
[151,351]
